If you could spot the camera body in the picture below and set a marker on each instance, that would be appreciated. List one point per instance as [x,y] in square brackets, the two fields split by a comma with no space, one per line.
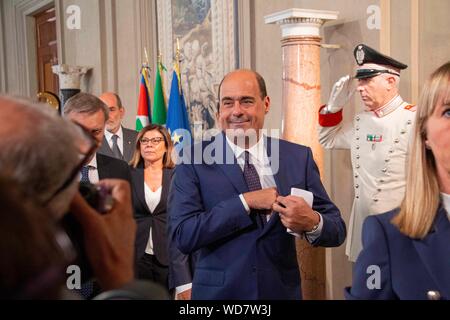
[97,197]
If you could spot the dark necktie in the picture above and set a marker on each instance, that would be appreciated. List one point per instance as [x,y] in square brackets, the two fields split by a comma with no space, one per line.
[85,174]
[254,184]
[115,148]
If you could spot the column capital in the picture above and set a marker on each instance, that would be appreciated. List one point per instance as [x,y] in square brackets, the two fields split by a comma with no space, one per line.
[296,22]
[69,76]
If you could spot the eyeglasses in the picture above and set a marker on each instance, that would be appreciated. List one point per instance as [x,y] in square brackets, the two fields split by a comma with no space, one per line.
[86,136]
[153,141]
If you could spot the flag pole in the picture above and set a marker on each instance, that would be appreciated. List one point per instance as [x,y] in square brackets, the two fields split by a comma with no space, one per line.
[146,70]
[144,112]
[177,64]
[147,61]
[161,69]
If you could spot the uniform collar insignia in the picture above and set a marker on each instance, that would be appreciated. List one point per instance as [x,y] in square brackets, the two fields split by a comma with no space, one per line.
[389,107]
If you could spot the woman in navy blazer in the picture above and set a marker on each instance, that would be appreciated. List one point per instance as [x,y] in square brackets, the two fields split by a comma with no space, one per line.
[152,169]
[406,251]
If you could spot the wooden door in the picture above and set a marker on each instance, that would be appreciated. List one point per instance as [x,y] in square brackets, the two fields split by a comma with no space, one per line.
[47,50]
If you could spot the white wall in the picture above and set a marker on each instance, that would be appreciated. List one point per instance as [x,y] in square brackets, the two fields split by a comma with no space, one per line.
[111,40]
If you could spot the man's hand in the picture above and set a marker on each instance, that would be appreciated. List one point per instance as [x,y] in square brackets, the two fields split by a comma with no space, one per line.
[296,214]
[261,199]
[185,295]
[109,238]
[338,96]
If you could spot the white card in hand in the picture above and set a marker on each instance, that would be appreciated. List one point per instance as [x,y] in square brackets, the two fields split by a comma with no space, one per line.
[308,196]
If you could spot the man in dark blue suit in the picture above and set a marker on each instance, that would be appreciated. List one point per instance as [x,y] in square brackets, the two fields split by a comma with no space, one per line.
[237,211]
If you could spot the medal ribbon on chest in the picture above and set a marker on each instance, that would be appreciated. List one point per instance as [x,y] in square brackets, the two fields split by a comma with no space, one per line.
[374,138]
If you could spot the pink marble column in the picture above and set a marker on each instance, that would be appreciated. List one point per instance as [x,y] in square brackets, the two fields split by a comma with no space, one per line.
[301,101]
[301,92]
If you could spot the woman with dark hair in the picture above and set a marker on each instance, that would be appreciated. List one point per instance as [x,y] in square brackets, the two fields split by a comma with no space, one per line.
[152,170]
[406,251]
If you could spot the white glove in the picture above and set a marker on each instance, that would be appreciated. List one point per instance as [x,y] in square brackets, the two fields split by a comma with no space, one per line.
[338,96]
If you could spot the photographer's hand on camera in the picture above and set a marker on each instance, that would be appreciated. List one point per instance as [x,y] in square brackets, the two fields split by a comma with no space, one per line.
[109,237]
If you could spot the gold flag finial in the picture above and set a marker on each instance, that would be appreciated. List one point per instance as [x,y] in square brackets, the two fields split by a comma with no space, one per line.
[177,64]
[147,61]
[177,55]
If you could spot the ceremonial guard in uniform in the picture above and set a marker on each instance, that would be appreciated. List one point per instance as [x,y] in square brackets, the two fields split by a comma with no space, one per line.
[378,137]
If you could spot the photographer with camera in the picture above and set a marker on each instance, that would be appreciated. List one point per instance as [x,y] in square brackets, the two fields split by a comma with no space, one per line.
[44,161]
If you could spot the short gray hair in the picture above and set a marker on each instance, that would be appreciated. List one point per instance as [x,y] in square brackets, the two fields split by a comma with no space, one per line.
[118,100]
[85,103]
[38,148]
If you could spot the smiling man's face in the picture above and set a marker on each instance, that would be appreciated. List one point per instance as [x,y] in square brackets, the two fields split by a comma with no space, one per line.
[241,105]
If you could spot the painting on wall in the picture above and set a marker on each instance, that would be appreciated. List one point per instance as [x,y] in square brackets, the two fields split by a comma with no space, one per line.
[205,32]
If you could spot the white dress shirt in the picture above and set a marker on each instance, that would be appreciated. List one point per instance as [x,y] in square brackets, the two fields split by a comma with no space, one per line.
[109,135]
[152,199]
[261,162]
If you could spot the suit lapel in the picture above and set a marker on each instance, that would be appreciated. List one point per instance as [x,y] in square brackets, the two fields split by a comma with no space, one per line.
[105,149]
[101,166]
[434,252]
[140,186]
[165,189]
[276,160]
[128,143]
[231,168]
[276,163]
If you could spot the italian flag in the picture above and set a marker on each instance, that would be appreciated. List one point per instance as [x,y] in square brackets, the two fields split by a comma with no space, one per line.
[143,116]
[159,115]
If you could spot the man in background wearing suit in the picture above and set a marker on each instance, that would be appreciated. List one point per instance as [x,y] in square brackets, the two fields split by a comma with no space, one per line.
[118,141]
[91,113]
[237,213]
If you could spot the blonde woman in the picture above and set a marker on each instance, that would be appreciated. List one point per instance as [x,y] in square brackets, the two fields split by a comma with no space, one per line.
[406,252]
[152,170]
